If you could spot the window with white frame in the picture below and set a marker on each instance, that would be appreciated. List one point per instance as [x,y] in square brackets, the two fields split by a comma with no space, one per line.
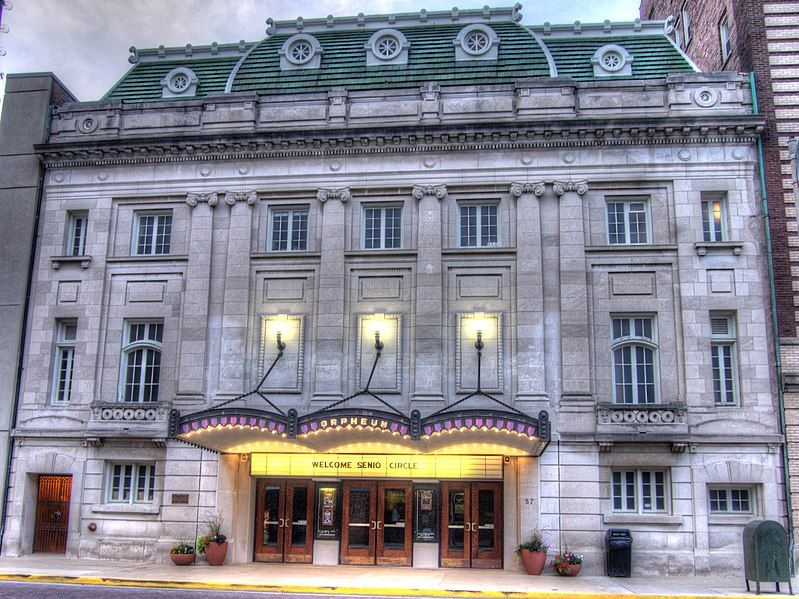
[724,36]
[639,491]
[130,483]
[714,219]
[634,349]
[628,222]
[731,500]
[141,361]
[66,334]
[76,236]
[152,234]
[722,353]
[478,225]
[289,230]
[685,17]
[382,227]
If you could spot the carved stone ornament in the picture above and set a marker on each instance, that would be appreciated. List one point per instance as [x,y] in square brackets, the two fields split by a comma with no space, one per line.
[192,199]
[561,187]
[536,188]
[232,197]
[331,193]
[420,191]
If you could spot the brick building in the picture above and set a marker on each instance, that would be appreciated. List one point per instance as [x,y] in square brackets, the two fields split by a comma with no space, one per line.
[760,37]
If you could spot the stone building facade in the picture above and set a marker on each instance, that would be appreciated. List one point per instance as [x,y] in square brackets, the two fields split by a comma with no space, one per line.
[399,289]
[760,37]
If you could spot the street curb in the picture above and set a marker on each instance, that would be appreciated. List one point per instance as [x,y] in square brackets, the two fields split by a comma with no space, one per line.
[341,590]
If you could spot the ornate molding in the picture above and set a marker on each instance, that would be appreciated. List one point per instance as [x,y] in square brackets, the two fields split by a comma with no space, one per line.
[231,197]
[420,191]
[536,188]
[641,414]
[130,412]
[561,187]
[332,193]
[192,199]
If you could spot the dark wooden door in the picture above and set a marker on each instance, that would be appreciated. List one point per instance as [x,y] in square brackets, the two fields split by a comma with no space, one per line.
[52,514]
[359,522]
[394,525]
[270,507]
[486,525]
[298,522]
[455,524]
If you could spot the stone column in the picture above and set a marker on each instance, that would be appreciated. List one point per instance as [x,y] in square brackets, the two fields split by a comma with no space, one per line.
[574,327]
[194,326]
[428,384]
[235,311]
[329,377]
[531,395]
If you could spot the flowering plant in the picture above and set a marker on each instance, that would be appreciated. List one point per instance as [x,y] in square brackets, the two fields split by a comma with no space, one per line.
[184,548]
[535,543]
[214,521]
[566,558]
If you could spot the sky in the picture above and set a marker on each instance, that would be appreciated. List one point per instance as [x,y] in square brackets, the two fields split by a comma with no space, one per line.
[85,42]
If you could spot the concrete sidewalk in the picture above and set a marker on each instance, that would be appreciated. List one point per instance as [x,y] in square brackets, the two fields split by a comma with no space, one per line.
[352,580]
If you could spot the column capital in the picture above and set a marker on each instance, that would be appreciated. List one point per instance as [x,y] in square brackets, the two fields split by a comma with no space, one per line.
[324,194]
[420,191]
[192,199]
[231,197]
[536,188]
[561,187]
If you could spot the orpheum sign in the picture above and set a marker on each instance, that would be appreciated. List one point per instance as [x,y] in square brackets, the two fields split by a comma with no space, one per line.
[371,465]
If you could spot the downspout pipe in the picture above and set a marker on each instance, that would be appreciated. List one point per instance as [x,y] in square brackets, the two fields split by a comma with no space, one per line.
[774,325]
[22,339]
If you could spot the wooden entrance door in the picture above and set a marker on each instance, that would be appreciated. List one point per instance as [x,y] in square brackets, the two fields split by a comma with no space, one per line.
[284,521]
[52,514]
[376,526]
[471,524]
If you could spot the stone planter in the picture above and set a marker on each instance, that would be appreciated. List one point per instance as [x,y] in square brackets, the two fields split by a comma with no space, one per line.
[182,559]
[534,561]
[215,553]
[569,569]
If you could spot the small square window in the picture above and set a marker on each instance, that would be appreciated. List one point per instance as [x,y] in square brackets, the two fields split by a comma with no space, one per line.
[289,230]
[478,225]
[130,483]
[733,500]
[628,222]
[76,235]
[152,234]
[639,491]
[382,227]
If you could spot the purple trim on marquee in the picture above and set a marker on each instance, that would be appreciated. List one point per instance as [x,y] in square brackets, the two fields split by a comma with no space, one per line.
[251,421]
[468,422]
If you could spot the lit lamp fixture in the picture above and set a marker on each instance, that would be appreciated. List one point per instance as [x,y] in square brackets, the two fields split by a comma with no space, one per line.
[280,327]
[378,323]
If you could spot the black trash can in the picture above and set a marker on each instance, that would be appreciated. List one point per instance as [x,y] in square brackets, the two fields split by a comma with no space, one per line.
[618,553]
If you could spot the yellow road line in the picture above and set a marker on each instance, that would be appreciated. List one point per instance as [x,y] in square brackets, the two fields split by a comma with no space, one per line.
[343,590]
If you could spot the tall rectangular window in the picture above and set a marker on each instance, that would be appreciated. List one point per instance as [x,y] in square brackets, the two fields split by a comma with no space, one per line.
[731,501]
[634,351]
[130,483]
[289,230]
[638,491]
[628,222]
[478,226]
[685,17]
[76,238]
[724,36]
[141,361]
[722,354]
[714,219]
[153,234]
[382,227]
[66,335]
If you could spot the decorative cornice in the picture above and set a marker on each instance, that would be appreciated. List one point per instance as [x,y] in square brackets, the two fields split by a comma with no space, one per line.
[231,197]
[561,187]
[420,191]
[331,193]
[536,188]
[192,199]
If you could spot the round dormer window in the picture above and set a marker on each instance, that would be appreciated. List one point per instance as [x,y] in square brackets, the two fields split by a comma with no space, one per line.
[178,83]
[386,46]
[612,60]
[476,42]
[300,52]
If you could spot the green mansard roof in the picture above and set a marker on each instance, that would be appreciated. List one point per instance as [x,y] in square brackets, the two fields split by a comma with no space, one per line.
[524,52]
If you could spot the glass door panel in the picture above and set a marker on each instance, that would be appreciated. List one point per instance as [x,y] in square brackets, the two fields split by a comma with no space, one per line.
[359,523]
[486,525]
[270,499]
[455,524]
[394,530]
[298,522]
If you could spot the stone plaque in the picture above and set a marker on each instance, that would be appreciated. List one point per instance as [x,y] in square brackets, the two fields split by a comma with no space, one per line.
[68,292]
[632,283]
[180,498]
[284,289]
[145,291]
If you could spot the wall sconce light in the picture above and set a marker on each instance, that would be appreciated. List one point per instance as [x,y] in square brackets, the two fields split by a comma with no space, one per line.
[279,327]
[378,322]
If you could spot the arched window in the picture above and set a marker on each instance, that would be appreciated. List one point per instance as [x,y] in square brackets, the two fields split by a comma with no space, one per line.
[634,348]
[141,361]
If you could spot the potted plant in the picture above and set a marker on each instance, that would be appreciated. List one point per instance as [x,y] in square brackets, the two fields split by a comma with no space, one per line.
[182,554]
[534,553]
[214,544]
[567,563]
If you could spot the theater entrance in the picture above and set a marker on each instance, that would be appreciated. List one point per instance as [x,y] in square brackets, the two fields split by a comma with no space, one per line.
[284,521]
[376,523]
[471,524]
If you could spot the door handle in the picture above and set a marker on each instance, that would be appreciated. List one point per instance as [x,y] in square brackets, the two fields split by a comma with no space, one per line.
[282,522]
[379,522]
[374,525]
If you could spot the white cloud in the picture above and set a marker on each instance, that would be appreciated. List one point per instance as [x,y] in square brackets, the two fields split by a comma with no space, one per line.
[85,42]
